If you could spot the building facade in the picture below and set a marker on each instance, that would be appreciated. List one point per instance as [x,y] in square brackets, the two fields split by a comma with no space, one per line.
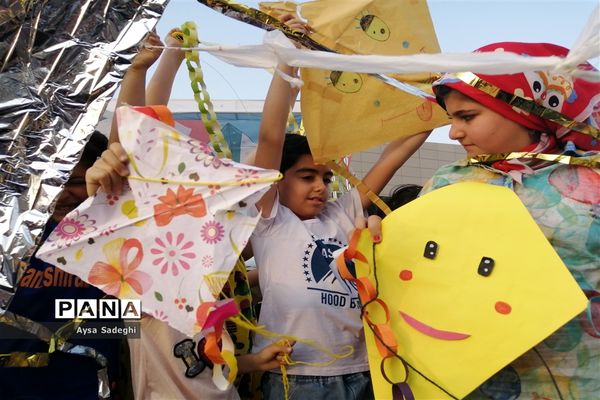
[240,120]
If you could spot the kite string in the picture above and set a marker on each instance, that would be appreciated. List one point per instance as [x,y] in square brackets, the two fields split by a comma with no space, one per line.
[560,396]
[240,182]
[346,352]
[241,321]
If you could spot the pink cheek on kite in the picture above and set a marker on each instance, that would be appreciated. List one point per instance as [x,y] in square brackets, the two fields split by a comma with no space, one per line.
[406,275]
[503,308]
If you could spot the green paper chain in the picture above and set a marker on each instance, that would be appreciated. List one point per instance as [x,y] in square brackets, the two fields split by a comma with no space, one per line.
[207,113]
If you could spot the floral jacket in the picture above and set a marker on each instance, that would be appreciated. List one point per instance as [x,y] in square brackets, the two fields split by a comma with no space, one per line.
[564,200]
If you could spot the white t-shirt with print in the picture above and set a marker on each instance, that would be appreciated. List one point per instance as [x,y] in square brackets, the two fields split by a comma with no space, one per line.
[302,295]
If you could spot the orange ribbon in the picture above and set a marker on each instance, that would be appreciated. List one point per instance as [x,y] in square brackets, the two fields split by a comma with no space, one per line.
[384,336]
[161,113]
[211,316]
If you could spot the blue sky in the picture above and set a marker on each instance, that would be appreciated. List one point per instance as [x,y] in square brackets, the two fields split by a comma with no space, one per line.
[461,26]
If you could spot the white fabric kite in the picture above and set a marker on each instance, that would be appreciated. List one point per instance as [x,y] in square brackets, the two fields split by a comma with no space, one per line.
[173,237]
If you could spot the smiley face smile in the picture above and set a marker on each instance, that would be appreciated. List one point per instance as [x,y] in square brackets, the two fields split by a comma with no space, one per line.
[430,331]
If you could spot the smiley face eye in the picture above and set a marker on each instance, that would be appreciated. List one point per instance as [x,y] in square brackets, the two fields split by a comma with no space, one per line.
[431,249]
[486,266]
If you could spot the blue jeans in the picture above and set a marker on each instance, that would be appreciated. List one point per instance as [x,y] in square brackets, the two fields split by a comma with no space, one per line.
[355,386]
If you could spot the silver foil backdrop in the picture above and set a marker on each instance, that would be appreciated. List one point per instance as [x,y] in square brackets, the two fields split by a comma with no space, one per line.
[60,63]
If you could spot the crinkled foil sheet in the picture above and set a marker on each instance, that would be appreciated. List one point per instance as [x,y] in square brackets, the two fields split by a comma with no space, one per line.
[60,63]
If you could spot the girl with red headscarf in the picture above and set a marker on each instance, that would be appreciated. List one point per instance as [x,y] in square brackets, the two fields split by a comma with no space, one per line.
[537,133]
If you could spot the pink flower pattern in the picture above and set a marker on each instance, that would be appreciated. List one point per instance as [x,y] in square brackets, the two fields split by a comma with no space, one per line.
[244,174]
[72,228]
[206,155]
[146,195]
[180,303]
[172,253]
[109,230]
[212,232]
[200,149]
[160,315]
[207,261]
[112,199]
[214,189]
[146,145]
[215,162]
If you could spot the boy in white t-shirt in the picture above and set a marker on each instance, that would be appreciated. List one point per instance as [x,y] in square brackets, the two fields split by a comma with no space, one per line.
[293,245]
[158,369]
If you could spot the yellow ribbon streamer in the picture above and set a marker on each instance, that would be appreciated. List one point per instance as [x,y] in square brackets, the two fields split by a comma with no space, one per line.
[343,171]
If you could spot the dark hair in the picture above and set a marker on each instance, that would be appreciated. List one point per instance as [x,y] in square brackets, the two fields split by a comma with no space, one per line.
[401,195]
[294,147]
[440,94]
[93,149]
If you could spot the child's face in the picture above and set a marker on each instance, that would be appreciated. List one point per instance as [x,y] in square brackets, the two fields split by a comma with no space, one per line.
[72,195]
[304,187]
[481,130]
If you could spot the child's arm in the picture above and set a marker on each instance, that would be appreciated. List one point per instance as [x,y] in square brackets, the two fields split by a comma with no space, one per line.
[110,169]
[133,85]
[393,157]
[280,98]
[159,88]
[278,103]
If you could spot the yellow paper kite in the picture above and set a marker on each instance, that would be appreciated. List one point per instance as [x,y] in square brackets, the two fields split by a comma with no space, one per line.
[344,112]
[469,283]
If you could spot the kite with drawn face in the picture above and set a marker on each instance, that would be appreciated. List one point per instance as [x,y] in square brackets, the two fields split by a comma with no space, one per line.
[466,283]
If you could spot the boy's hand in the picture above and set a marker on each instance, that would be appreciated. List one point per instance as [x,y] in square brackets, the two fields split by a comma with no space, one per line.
[271,357]
[147,56]
[108,172]
[173,40]
[374,225]
[295,23]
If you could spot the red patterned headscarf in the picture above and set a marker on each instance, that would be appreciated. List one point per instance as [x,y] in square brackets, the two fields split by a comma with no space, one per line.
[575,98]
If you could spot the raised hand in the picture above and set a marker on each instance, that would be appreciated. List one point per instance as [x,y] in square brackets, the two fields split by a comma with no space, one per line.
[147,56]
[108,172]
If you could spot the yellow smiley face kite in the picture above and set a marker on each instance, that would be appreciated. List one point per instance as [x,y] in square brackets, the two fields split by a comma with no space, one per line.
[346,112]
[470,283]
